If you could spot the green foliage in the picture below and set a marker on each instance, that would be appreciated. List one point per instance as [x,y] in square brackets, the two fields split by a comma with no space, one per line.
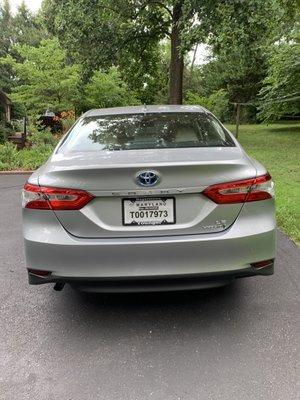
[44,77]
[5,131]
[195,99]
[158,90]
[41,145]
[27,159]
[67,123]
[5,44]
[30,159]
[18,110]
[217,102]
[132,31]
[240,37]
[21,28]
[26,27]
[108,90]
[88,29]
[120,33]
[8,156]
[17,125]
[280,94]
[134,37]
[42,138]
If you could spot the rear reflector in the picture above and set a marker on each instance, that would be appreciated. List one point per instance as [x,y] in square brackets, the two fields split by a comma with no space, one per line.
[262,264]
[254,189]
[49,198]
[37,272]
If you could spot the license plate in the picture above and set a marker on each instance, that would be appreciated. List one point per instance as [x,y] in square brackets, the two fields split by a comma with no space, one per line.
[149,211]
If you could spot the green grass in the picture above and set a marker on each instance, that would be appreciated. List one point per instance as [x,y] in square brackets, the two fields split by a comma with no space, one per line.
[277,146]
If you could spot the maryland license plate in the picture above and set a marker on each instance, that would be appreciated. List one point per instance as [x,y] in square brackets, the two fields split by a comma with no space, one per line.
[149,211]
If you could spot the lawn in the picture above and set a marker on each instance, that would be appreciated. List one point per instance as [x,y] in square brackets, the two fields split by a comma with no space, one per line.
[277,146]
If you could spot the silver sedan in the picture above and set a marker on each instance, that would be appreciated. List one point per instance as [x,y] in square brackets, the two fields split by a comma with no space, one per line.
[148,198]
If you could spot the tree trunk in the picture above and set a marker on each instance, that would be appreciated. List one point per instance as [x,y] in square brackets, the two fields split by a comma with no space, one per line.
[176,63]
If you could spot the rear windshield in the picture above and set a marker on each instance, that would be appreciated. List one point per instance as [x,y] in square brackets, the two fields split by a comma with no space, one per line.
[146,131]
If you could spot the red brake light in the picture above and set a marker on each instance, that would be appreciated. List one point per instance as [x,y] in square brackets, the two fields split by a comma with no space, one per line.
[262,264]
[254,189]
[38,272]
[47,198]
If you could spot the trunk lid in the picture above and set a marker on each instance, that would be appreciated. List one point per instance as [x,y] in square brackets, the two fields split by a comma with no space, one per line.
[111,178]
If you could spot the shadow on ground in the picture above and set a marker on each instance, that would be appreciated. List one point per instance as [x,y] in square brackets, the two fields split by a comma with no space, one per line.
[289,130]
[140,313]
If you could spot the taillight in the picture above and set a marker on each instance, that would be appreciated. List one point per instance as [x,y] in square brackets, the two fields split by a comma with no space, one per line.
[39,273]
[49,198]
[254,189]
[262,264]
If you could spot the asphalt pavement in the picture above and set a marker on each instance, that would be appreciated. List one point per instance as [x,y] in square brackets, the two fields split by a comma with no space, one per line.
[237,342]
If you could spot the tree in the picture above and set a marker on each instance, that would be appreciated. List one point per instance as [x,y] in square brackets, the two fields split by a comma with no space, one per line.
[109,34]
[44,78]
[108,90]
[26,27]
[130,30]
[21,28]
[5,44]
[240,40]
[280,94]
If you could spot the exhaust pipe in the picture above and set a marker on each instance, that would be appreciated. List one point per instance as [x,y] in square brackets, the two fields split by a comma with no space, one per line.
[59,286]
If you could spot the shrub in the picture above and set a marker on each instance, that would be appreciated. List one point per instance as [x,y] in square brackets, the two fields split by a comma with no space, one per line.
[217,102]
[8,156]
[5,131]
[194,99]
[18,110]
[68,119]
[42,138]
[33,158]
[67,123]
[17,125]
[26,159]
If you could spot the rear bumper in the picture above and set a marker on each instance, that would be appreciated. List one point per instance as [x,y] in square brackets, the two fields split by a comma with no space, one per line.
[152,261]
[154,283]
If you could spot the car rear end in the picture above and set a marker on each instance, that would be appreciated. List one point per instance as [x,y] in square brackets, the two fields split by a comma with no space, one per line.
[148,200]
